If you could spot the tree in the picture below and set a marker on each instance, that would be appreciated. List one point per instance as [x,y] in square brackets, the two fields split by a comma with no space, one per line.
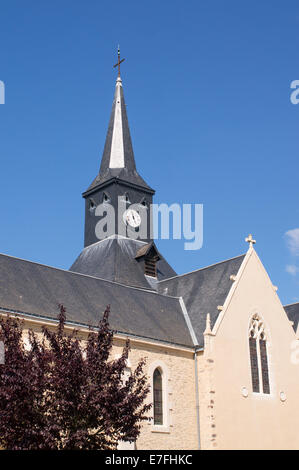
[64,393]
[22,390]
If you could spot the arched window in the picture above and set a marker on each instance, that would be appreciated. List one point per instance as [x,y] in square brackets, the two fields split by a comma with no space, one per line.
[92,205]
[106,198]
[258,356]
[158,397]
[143,202]
[126,197]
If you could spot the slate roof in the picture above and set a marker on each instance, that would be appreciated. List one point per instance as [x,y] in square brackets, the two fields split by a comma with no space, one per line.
[114,259]
[145,249]
[129,172]
[292,312]
[35,289]
[202,291]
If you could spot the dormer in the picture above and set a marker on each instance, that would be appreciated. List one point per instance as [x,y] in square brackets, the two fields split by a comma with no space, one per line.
[148,256]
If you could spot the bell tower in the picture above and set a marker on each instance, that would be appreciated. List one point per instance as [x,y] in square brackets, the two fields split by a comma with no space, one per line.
[118,185]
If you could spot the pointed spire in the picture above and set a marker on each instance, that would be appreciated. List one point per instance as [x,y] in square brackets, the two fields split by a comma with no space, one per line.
[118,151]
[118,159]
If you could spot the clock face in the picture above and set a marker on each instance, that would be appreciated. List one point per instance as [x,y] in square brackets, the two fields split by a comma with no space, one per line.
[132,218]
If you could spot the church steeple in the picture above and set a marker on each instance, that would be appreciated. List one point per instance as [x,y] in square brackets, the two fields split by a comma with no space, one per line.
[118,150]
[118,176]
[118,159]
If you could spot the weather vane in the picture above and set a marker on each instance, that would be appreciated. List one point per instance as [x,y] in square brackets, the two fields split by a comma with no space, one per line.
[118,61]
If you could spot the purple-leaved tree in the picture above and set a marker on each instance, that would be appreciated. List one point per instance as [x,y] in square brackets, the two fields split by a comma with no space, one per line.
[66,393]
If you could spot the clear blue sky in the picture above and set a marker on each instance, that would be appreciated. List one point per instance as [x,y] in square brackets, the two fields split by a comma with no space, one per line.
[207,84]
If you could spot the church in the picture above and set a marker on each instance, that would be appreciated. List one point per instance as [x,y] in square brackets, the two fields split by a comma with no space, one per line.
[222,352]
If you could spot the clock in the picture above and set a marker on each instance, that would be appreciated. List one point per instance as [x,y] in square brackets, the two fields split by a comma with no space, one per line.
[132,218]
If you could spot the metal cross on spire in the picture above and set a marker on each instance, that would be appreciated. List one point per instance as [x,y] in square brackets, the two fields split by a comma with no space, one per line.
[250,240]
[119,61]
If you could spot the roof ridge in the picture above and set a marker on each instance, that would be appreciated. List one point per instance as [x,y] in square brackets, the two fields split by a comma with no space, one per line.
[115,236]
[202,269]
[289,305]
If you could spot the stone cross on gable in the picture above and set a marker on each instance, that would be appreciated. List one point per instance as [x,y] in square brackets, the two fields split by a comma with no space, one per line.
[250,240]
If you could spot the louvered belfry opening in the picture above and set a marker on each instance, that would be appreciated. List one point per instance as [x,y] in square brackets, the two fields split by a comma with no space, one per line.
[150,266]
[149,256]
